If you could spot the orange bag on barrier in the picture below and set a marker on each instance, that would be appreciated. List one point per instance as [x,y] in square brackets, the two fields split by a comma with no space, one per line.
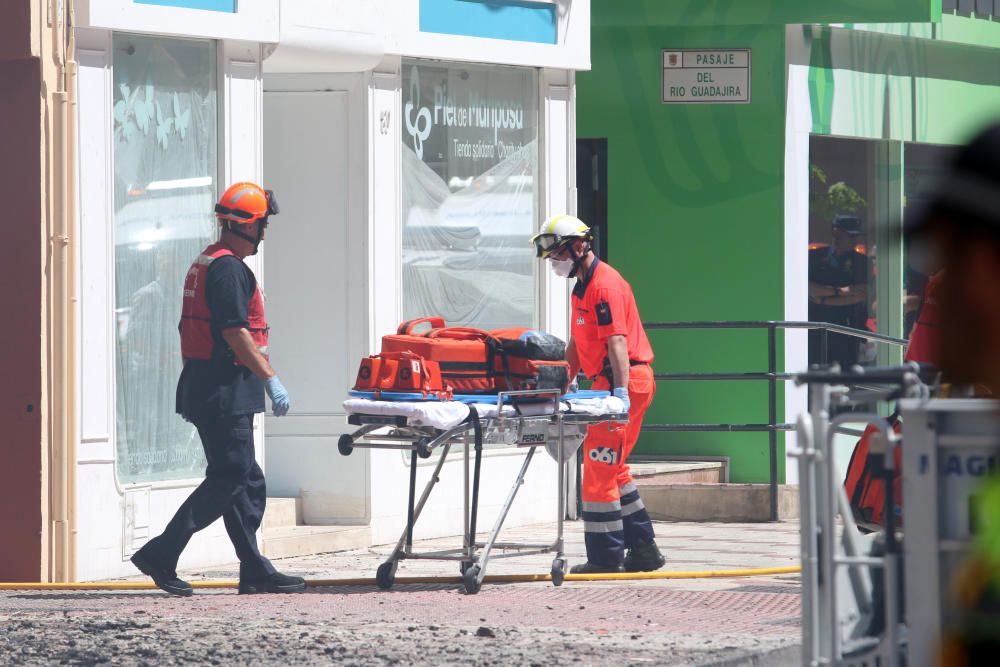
[867,492]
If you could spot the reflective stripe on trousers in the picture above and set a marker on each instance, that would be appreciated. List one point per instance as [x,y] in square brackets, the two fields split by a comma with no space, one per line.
[604,532]
[637,527]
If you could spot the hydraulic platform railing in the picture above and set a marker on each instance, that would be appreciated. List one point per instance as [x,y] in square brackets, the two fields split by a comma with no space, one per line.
[771,376]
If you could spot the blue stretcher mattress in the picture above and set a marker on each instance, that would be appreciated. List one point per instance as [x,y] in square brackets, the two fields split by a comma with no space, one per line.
[472,398]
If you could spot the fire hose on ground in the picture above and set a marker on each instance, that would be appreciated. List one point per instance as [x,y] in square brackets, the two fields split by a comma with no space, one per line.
[370,581]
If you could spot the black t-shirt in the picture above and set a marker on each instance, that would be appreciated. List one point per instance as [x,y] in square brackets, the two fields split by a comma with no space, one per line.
[833,270]
[218,387]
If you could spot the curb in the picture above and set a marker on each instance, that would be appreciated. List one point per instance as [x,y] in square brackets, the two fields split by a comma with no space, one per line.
[786,656]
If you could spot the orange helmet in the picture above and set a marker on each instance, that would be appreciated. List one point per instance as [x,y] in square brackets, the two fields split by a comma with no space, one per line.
[245,203]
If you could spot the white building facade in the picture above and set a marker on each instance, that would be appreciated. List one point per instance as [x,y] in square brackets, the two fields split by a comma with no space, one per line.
[414,146]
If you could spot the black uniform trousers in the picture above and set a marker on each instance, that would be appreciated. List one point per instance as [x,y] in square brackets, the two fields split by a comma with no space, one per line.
[233,489]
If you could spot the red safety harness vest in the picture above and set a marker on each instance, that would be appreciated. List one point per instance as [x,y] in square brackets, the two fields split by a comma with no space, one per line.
[196,317]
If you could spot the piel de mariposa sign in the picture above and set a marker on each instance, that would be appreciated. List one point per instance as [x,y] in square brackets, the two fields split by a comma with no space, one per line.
[468,118]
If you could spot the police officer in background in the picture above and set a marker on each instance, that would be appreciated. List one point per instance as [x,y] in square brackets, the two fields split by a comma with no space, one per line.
[609,344]
[838,291]
[226,372]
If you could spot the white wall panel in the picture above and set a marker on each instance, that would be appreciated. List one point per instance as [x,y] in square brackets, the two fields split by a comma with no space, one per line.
[98,534]
[798,122]
[559,177]
[384,234]
[94,308]
[243,117]
[317,287]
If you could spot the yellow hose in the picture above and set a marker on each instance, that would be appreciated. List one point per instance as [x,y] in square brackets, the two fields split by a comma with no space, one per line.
[494,579]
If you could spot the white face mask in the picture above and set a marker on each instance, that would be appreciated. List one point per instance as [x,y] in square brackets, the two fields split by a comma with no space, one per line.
[562,267]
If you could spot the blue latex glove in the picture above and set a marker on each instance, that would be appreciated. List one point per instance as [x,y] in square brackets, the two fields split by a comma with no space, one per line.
[622,393]
[574,387]
[278,395]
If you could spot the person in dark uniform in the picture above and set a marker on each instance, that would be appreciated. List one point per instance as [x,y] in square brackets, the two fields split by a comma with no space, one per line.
[838,291]
[226,372]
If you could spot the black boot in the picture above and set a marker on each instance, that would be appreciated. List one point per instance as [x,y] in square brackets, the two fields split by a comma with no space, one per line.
[166,580]
[276,583]
[644,558]
[596,568]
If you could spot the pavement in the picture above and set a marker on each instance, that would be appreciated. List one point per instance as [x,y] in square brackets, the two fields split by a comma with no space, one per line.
[715,621]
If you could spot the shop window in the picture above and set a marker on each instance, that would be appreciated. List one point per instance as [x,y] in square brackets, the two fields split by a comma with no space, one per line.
[469,171]
[842,246]
[165,168]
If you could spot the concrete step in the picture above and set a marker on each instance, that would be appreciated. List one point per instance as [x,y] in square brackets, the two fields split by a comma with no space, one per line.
[678,472]
[719,502]
[305,540]
[282,513]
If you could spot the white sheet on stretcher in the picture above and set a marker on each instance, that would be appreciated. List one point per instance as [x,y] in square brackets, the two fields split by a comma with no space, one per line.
[445,415]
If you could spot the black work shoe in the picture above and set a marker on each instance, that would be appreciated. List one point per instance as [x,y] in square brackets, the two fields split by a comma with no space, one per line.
[164,579]
[644,558]
[596,568]
[276,583]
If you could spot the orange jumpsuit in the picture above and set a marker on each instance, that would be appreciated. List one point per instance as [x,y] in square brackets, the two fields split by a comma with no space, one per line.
[613,513]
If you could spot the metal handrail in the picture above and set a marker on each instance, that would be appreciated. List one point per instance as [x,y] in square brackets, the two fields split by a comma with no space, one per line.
[779,324]
[771,376]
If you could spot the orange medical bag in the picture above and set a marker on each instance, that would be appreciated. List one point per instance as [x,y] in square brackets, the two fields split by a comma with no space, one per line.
[473,361]
[461,352]
[401,372]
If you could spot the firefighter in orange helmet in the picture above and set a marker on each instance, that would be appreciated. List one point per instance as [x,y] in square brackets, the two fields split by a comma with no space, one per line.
[609,344]
[224,337]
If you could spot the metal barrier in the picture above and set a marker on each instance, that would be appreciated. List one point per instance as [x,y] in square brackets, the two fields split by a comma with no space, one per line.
[772,377]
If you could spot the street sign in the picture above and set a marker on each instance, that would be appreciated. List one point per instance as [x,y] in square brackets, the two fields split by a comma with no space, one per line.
[706,76]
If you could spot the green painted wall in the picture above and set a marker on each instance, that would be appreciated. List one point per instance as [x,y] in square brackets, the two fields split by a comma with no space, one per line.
[696,192]
[696,215]
[759,12]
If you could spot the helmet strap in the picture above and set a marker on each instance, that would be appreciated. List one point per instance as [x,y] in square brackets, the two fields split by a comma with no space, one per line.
[578,261]
[231,228]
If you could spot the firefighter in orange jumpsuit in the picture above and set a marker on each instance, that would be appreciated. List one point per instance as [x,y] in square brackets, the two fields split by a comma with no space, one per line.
[609,344]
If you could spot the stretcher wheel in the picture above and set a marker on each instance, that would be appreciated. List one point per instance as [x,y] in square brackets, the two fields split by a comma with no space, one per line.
[559,567]
[470,579]
[463,566]
[345,444]
[423,451]
[385,575]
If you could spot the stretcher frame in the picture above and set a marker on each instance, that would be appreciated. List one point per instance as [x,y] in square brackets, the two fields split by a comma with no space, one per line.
[391,432]
[838,600]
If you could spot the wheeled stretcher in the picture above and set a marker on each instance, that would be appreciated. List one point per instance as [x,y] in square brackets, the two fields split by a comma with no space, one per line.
[522,419]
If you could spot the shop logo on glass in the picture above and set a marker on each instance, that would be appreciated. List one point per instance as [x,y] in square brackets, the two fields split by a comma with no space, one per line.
[419,127]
